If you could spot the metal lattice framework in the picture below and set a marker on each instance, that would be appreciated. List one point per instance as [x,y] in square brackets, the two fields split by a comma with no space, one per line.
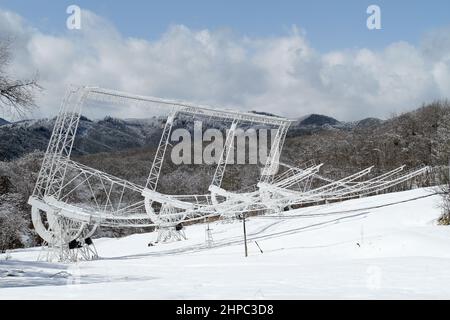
[60,177]
[66,223]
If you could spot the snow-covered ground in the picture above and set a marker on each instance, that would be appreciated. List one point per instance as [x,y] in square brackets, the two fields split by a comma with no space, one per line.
[386,246]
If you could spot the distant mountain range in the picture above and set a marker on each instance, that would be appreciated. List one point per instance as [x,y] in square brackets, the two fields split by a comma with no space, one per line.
[3,122]
[111,134]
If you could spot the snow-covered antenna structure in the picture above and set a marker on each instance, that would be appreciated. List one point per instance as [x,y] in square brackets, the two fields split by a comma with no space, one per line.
[67,226]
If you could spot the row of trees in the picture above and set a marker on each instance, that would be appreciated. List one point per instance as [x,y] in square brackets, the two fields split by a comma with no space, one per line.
[417,138]
[17,180]
[16,97]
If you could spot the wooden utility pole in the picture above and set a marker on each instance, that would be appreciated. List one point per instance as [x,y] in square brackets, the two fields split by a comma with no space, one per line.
[245,234]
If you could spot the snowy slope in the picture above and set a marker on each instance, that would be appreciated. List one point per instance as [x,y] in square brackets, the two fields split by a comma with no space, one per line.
[386,246]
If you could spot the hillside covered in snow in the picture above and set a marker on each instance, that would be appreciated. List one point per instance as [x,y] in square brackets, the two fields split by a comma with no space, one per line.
[387,246]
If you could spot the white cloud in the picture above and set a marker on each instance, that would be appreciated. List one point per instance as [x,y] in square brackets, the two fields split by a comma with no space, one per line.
[283,75]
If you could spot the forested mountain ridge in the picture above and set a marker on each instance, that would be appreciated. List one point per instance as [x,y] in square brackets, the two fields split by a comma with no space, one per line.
[111,134]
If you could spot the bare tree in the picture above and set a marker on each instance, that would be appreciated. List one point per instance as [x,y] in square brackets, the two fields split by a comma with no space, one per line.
[16,95]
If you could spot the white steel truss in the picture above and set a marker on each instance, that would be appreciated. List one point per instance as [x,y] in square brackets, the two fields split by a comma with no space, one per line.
[67,223]
[155,171]
[224,157]
[273,159]
[184,107]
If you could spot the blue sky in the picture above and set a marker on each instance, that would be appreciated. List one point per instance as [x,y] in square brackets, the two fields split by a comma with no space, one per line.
[184,50]
[329,25]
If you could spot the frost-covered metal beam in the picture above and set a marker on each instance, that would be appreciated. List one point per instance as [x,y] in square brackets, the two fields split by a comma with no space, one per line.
[271,166]
[224,157]
[114,96]
[153,177]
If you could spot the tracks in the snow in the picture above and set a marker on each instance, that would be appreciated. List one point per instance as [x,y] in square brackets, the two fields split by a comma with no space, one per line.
[258,234]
